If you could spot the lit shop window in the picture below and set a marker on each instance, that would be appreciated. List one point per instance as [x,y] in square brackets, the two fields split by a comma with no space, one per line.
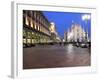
[28,40]
[29,34]
[24,40]
[26,21]
[32,35]
[32,40]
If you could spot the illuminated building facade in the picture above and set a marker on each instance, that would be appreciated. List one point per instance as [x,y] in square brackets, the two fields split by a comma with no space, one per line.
[54,35]
[76,34]
[35,28]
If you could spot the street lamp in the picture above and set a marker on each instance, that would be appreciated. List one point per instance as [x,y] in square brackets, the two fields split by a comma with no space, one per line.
[85,18]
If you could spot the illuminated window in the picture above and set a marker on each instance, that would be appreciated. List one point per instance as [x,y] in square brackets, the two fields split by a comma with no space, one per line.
[28,40]
[35,25]
[32,35]
[31,23]
[38,27]
[24,40]
[24,33]
[26,21]
[32,40]
[29,34]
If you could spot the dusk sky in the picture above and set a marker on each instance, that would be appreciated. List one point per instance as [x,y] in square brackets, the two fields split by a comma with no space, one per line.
[63,20]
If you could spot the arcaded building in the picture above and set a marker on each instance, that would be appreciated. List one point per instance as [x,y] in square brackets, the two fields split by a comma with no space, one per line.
[35,28]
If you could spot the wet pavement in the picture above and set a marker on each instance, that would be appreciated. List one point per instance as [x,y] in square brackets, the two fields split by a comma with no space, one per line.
[52,56]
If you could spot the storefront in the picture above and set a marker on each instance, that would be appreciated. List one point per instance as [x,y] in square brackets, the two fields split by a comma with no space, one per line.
[35,28]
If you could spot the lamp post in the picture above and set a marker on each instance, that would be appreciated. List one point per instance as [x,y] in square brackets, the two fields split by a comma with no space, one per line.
[85,18]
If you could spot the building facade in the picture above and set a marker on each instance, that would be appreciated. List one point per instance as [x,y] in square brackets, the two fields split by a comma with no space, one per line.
[35,28]
[54,35]
[76,34]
